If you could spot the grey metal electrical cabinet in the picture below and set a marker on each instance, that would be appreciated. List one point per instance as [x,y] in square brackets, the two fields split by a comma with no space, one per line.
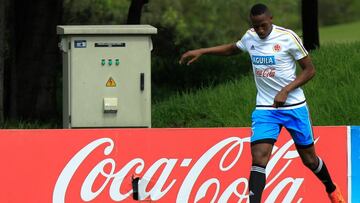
[106,75]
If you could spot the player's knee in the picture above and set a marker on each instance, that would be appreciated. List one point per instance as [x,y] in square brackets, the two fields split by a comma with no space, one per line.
[311,163]
[260,158]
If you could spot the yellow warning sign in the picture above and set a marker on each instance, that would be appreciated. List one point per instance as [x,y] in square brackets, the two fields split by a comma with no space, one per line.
[111,82]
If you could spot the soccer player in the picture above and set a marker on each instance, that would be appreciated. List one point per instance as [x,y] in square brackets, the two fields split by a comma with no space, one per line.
[280,101]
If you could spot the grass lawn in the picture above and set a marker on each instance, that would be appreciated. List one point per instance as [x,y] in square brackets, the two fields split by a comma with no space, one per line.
[349,32]
[341,33]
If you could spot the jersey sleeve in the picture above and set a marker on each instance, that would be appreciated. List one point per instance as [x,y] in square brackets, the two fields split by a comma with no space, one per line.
[241,44]
[296,47]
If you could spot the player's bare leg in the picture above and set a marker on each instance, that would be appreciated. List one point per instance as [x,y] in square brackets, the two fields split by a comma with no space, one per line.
[260,153]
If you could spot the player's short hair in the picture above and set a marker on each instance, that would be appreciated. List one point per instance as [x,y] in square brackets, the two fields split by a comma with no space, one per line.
[259,9]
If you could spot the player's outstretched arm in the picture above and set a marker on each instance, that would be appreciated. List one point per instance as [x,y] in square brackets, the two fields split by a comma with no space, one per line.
[192,55]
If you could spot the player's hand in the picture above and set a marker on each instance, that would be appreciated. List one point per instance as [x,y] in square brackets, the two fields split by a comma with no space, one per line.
[190,56]
[280,98]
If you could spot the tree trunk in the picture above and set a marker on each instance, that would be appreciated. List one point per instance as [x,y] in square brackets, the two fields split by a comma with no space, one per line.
[309,9]
[134,14]
[2,57]
[37,61]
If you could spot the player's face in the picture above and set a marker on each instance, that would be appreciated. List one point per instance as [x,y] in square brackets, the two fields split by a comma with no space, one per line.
[262,24]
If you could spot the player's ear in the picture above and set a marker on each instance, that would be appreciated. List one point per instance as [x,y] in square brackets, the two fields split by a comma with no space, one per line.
[270,19]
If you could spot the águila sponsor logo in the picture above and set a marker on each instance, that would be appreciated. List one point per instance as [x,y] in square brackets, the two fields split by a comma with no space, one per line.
[263,60]
[160,178]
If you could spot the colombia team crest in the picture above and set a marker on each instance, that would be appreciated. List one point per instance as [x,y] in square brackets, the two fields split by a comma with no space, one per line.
[277,47]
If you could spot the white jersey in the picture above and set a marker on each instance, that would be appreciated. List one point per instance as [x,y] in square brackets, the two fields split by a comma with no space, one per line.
[274,63]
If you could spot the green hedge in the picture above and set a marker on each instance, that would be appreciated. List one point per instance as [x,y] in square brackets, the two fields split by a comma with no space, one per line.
[169,78]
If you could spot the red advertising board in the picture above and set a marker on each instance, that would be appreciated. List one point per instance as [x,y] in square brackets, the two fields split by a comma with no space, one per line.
[175,165]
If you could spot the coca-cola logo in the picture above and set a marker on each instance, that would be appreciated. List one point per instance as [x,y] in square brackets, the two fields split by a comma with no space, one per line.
[267,72]
[158,180]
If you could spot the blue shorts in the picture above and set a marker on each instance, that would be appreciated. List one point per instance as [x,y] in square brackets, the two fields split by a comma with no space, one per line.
[266,125]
